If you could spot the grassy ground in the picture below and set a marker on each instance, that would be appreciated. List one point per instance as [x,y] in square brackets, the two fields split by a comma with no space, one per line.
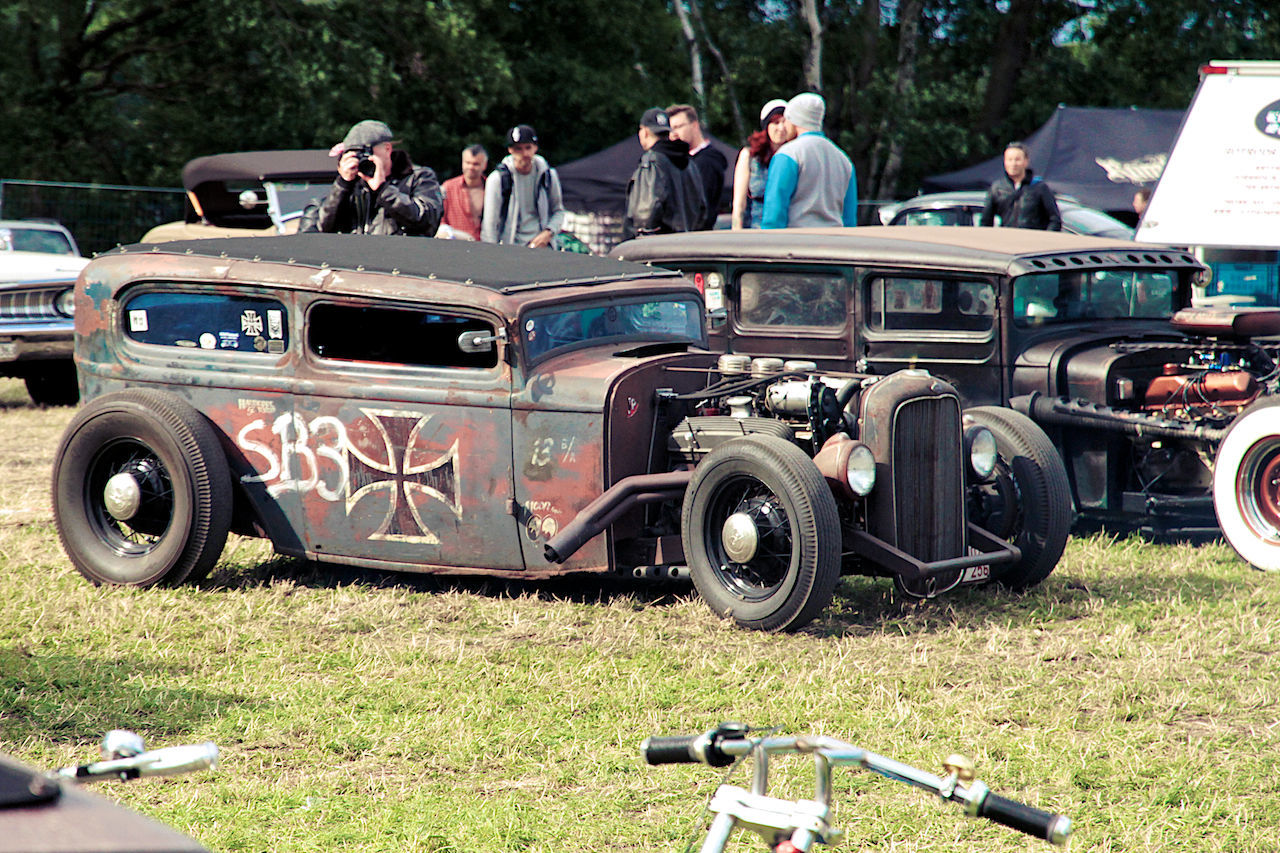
[1136,690]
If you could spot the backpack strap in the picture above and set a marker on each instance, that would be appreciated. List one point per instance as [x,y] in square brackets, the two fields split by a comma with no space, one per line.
[505,176]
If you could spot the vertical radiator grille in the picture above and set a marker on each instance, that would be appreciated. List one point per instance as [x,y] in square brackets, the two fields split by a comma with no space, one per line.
[928,477]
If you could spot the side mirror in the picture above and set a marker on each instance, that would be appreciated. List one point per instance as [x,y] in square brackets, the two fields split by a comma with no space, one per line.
[476,341]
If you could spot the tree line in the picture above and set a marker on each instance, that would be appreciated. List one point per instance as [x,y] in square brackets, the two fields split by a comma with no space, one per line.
[126,91]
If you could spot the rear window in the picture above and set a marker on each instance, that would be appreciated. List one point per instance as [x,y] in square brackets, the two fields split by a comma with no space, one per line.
[211,321]
[930,304]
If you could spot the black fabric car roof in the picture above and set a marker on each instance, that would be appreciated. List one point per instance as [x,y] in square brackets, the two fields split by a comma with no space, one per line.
[482,264]
[293,165]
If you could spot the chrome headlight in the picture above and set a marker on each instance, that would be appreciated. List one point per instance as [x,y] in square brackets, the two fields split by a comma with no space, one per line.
[860,470]
[980,447]
[65,302]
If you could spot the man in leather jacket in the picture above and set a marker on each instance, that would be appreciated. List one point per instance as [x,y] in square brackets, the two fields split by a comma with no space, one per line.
[1020,198]
[665,192]
[378,189]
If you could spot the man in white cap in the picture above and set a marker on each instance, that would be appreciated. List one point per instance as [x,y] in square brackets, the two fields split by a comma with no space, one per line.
[811,182]
[378,189]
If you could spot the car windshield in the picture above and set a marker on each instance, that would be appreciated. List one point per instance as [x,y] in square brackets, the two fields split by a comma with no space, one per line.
[292,198]
[646,320]
[1085,220]
[45,240]
[1065,297]
[939,216]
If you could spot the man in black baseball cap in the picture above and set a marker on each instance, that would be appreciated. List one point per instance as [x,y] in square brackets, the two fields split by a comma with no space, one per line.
[378,189]
[665,192]
[523,205]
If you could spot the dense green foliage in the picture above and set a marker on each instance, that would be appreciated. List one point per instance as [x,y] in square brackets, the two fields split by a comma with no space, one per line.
[126,91]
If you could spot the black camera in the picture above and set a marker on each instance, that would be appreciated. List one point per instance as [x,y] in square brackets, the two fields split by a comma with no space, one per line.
[365,166]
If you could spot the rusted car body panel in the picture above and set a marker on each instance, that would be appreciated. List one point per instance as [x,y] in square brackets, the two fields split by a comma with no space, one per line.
[375,464]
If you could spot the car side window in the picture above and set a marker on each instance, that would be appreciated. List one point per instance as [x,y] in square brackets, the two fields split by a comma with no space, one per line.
[208,321]
[930,304]
[811,299]
[387,335]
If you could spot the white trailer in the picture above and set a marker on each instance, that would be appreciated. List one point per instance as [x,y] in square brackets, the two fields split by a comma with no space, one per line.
[1220,190]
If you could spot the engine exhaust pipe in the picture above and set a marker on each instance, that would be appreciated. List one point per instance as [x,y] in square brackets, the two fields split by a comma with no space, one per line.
[618,499]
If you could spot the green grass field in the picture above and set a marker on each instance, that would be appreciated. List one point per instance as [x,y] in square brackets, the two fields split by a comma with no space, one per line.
[1137,690]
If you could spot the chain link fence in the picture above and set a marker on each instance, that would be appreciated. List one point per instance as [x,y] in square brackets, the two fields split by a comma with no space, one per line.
[100,216]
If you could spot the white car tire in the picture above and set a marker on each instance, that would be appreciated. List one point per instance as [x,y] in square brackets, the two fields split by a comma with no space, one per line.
[1246,485]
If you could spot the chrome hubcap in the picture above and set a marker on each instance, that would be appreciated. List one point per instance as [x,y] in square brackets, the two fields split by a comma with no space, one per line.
[741,537]
[122,496]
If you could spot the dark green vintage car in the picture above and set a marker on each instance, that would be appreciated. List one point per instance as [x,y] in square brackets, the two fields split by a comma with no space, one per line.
[1165,415]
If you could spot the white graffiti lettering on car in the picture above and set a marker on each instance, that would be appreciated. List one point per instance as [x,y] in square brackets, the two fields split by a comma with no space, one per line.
[295,468]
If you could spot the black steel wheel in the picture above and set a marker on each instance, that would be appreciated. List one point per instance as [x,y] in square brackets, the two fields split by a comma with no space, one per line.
[1028,501]
[762,534]
[53,383]
[141,490]
[1246,485]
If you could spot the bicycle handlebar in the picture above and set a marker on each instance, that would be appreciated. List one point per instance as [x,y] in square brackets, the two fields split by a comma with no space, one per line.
[721,745]
[168,761]
[1054,828]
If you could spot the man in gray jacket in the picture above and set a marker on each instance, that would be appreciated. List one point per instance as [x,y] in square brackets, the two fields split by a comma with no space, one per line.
[523,205]
[378,190]
[811,182]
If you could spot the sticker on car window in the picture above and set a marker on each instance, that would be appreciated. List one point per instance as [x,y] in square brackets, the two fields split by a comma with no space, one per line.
[251,322]
[137,321]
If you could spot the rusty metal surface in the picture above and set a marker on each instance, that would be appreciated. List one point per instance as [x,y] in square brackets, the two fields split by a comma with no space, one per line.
[387,465]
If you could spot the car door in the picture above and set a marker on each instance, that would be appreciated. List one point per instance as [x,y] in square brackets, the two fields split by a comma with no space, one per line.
[409,438]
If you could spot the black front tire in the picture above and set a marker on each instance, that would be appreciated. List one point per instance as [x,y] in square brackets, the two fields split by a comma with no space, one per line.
[53,384]
[1028,501]
[769,490]
[141,490]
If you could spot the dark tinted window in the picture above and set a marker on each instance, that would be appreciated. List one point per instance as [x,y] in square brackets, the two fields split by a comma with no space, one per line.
[409,336]
[208,321]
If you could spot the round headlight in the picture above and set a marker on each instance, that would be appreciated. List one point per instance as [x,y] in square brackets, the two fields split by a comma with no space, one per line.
[860,470]
[981,447]
[66,303]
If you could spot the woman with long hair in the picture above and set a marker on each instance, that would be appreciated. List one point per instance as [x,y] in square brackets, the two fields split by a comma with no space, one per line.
[752,169]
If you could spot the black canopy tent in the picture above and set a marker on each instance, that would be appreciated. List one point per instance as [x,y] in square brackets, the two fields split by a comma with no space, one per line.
[1099,155]
[597,183]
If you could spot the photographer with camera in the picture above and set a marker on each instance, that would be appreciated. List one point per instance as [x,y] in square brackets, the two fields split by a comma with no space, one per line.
[378,189]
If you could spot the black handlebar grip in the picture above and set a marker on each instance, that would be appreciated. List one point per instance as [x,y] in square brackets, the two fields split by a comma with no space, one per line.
[677,749]
[1024,818]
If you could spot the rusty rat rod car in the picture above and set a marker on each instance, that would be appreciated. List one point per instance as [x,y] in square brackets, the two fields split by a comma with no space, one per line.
[438,406]
[1163,413]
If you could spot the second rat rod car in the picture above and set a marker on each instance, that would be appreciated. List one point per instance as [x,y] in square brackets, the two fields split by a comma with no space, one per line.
[1165,415]
[438,406]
